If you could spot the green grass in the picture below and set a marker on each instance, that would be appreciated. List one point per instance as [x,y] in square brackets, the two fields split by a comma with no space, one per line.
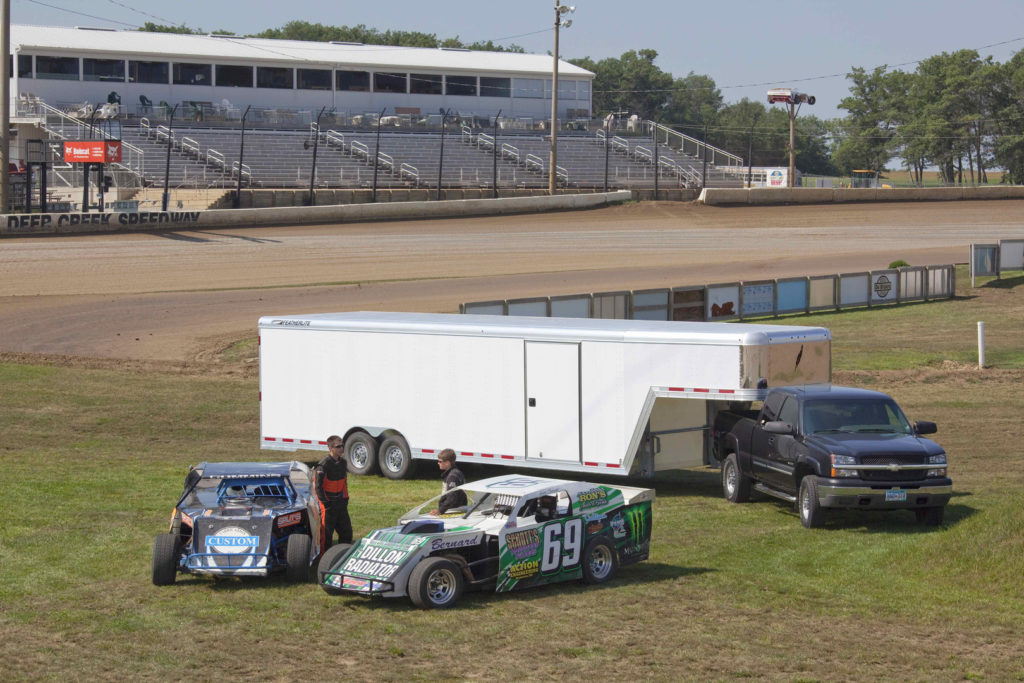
[93,461]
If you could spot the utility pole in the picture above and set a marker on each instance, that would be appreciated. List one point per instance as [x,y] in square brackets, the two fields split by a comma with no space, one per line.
[5,105]
[553,160]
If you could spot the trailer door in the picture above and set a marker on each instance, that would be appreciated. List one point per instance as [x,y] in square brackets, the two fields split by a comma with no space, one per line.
[553,401]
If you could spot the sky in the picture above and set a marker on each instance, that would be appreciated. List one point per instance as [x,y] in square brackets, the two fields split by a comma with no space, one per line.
[747,47]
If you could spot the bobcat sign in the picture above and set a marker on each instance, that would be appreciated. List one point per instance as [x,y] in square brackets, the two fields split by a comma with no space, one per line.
[92,151]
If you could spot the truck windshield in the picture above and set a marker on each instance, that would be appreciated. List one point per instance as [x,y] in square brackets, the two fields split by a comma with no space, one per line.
[880,416]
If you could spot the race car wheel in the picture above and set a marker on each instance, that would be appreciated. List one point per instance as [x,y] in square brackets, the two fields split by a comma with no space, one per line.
[599,561]
[812,515]
[395,460]
[735,484]
[361,453]
[435,583]
[297,556]
[327,562]
[166,552]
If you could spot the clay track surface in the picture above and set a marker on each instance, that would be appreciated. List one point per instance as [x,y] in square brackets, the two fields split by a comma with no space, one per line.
[184,296]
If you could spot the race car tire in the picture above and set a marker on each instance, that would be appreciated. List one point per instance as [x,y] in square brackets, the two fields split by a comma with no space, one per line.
[812,515]
[735,484]
[435,583]
[600,561]
[361,453]
[166,552]
[297,557]
[327,561]
[395,459]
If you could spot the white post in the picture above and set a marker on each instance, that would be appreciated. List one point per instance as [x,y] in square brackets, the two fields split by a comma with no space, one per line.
[981,344]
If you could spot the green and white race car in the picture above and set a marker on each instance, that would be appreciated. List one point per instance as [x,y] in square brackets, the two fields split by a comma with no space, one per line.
[514,532]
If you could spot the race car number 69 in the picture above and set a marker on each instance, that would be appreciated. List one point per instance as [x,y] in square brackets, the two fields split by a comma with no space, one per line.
[556,543]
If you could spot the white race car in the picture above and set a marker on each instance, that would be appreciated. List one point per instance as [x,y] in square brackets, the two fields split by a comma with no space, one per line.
[514,532]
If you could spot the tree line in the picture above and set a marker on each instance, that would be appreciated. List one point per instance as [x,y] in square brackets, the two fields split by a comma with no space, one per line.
[956,112]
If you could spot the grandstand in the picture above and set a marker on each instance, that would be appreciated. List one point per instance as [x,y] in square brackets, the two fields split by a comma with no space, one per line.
[490,130]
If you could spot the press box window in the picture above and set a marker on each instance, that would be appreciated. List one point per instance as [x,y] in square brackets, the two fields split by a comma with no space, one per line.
[103,69]
[234,76]
[24,66]
[148,72]
[314,79]
[57,68]
[426,84]
[358,81]
[385,82]
[275,77]
[192,74]
[495,87]
[531,88]
[461,85]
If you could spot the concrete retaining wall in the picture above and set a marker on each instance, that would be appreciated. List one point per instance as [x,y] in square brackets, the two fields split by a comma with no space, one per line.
[762,196]
[66,223]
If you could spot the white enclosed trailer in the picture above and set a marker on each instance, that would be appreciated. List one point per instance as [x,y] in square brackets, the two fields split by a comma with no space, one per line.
[627,397]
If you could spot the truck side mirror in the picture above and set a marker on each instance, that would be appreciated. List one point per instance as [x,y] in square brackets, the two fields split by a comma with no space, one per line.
[924,427]
[779,427]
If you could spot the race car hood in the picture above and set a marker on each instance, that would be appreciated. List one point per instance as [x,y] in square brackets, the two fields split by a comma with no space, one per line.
[231,541]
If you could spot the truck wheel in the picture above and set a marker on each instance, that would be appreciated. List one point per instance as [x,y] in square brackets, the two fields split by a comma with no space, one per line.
[811,513]
[930,516]
[735,484]
[435,583]
[327,562]
[599,561]
[361,453]
[395,459]
[166,553]
[297,556]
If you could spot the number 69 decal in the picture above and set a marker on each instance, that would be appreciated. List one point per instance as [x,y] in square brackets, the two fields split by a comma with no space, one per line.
[563,546]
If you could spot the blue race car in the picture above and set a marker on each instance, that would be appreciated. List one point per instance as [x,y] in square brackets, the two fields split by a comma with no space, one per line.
[241,519]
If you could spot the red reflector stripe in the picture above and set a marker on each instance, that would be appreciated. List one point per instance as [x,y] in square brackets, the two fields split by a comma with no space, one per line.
[676,389]
[726,391]
[305,441]
[288,440]
[590,464]
[269,438]
[487,455]
[612,465]
[703,391]
[428,450]
[508,457]
[465,453]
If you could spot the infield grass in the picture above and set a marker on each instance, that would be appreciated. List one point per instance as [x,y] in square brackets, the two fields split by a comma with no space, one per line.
[93,461]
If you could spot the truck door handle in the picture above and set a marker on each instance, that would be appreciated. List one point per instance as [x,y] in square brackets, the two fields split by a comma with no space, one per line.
[532,402]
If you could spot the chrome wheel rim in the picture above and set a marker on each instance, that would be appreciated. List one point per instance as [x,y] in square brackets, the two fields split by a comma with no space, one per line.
[600,562]
[393,459]
[730,479]
[359,455]
[441,586]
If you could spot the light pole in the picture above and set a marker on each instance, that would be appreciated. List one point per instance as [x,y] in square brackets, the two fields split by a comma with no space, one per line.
[552,164]
[792,99]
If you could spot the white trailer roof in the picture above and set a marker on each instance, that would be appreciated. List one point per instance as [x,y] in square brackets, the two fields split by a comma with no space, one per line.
[590,329]
[59,40]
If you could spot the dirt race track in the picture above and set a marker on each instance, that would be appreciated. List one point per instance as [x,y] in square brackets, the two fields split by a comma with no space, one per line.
[185,296]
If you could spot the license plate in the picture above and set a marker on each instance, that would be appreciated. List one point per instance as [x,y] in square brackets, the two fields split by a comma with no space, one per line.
[895,496]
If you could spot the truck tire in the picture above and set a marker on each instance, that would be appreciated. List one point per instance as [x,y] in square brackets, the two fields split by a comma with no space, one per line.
[930,516]
[435,583]
[327,562]
[361,453]
[166,553]
[599,561]
[735,484]
[812,515]
[395,459]
[297,557]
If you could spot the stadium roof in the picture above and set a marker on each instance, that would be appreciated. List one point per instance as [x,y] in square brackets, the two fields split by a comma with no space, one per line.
[223,49]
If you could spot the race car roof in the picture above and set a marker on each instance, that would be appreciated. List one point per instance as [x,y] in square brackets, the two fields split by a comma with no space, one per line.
[518,484]
[244,469]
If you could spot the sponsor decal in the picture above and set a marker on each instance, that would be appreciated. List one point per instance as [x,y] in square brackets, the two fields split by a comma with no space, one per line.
[289,520]
[451,543]
[523,570]
[523,543]
[618,526]
[883,285]
[594,528]
[375,561]
[232,540]
[355,584]
[593,497]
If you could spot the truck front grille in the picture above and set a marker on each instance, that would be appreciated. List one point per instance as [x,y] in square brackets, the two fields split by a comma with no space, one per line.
[890,475]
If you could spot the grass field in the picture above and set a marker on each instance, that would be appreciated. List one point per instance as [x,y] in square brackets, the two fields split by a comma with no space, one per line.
[93,460]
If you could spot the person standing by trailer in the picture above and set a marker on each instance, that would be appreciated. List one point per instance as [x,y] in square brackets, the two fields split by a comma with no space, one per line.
[331,485]
[453,477]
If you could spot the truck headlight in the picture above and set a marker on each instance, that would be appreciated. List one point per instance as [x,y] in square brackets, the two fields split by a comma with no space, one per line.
[937,460]
[843,460]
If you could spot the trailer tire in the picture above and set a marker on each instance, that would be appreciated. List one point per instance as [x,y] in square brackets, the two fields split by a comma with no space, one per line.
[395,459]
[735,484]
[361,453]
[812,515]
[329,557]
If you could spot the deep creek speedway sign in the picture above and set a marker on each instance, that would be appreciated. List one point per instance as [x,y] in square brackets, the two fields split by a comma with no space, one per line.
[50,222]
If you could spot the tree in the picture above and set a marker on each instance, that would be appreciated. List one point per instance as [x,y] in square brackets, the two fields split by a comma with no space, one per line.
[869,128]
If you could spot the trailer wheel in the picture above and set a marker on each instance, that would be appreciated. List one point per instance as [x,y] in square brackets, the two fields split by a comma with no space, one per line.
[361,453]
[812,515]
[395,460]
[735,484]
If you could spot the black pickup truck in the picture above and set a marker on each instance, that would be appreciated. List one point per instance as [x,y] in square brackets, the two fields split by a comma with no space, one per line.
[832,447]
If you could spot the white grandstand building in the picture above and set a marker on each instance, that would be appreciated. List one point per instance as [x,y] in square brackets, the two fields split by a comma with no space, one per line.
[71,66]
